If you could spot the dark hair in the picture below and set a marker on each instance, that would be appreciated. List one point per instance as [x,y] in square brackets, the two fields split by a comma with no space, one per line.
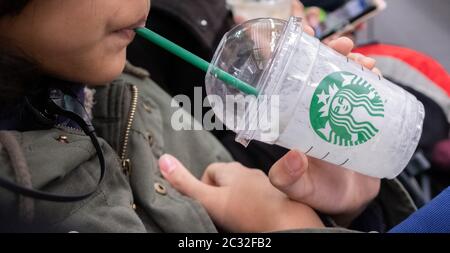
[12,7]
[16,72]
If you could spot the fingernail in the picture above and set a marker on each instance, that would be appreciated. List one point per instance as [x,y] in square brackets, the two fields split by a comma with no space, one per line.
[293,164]
[359,59]
[369,61]
[167,164]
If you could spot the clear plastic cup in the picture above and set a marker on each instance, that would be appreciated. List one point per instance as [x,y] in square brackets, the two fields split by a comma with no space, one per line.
[252,9]
[313,99]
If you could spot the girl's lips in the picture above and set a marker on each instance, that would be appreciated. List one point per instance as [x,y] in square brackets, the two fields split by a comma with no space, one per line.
[140,23]
[128,33]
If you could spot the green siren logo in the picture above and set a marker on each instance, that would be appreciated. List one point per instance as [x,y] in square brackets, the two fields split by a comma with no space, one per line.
[344,110]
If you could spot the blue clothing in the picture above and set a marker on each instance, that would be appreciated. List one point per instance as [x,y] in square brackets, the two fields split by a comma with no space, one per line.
[432,218]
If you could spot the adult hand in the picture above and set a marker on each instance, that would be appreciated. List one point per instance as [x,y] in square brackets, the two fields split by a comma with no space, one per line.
[325,187]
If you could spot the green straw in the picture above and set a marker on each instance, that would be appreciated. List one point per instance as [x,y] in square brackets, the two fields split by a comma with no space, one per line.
[195,60]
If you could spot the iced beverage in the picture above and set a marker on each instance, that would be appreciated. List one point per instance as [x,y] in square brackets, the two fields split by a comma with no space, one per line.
[319,101]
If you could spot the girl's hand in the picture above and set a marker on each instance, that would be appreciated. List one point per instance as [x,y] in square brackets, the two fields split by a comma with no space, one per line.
[239,199]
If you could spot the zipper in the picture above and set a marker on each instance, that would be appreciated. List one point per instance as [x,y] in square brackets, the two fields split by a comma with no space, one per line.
[69,129]
[126,162]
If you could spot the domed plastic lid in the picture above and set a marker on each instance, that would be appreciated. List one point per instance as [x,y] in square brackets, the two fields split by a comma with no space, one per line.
[245,52]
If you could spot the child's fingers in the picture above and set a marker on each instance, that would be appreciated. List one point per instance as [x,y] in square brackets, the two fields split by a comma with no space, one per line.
[182,179]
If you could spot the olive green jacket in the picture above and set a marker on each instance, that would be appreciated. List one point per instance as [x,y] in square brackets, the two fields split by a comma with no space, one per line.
[132,115]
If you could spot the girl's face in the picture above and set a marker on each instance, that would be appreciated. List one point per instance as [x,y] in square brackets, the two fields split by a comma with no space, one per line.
[77,40]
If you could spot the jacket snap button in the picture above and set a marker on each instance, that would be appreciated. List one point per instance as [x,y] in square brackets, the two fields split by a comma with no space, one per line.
[133,206]
[203,22]
[63,139]
[159,188]
[147,108]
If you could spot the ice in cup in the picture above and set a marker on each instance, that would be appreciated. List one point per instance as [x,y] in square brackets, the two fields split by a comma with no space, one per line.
[252,9]
[313,99]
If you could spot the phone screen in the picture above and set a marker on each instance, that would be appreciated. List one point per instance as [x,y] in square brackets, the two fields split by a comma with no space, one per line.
[348,13]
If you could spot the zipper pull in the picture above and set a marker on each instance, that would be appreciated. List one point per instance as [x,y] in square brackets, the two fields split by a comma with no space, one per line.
[126,167]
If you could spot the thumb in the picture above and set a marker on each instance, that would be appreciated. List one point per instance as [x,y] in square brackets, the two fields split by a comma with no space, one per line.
[287,171]
[181,178]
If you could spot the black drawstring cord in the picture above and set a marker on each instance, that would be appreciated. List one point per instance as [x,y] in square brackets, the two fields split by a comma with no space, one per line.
[52,109]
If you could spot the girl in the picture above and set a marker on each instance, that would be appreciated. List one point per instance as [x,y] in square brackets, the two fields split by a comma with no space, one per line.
[51,51]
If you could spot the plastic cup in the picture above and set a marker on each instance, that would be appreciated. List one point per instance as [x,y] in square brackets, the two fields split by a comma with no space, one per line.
[313,99]
[252,9]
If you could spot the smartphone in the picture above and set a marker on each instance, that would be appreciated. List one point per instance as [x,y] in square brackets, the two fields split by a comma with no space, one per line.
[347,17]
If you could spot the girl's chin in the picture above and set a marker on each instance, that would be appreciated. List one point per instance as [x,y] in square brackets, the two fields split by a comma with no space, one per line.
[102,78]
[111,70]
[96,71]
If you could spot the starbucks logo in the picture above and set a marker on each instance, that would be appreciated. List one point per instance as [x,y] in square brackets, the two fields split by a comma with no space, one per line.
[346,110]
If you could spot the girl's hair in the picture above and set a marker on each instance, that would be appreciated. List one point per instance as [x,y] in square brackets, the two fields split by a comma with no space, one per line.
[16,72]
[12,7]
